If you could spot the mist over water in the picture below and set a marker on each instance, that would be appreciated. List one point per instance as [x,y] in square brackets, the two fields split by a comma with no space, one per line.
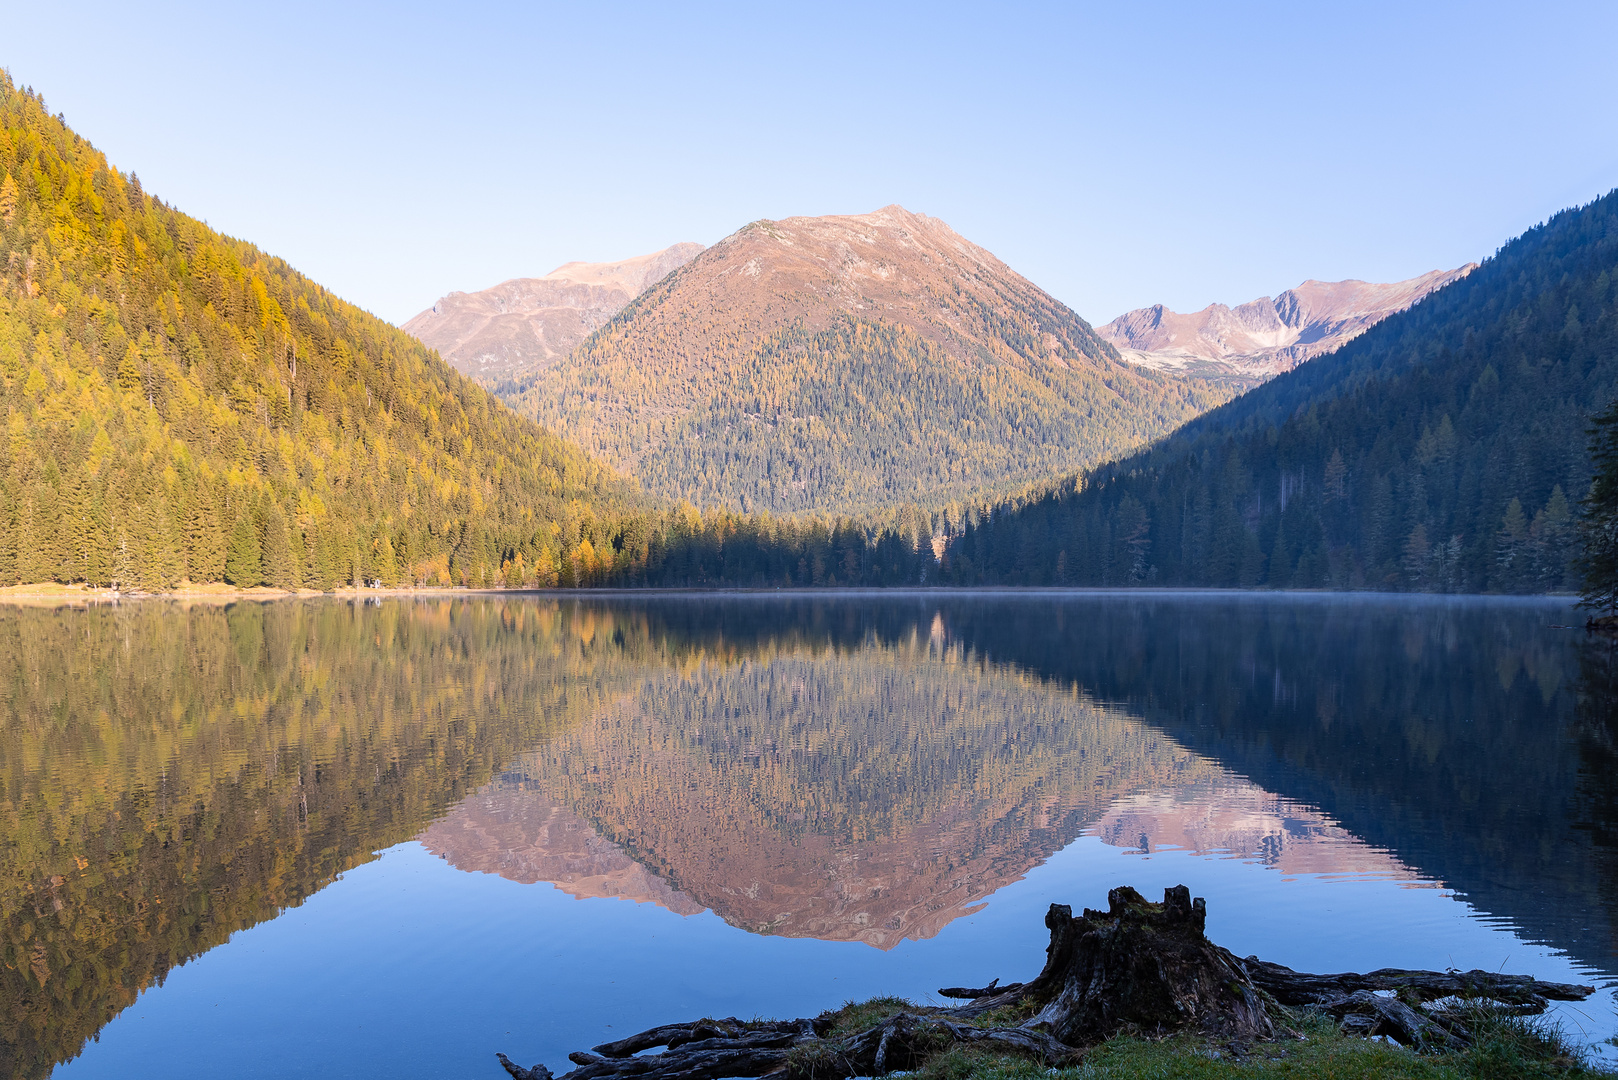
[338,837]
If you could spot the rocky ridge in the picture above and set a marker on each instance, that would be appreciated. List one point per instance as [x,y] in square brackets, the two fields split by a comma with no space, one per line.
[516,328]
[1265,337]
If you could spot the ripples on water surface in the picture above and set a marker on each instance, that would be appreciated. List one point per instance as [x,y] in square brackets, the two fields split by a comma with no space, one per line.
[319,837]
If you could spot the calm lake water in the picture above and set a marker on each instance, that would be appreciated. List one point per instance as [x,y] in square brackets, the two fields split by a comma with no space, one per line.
[334,838]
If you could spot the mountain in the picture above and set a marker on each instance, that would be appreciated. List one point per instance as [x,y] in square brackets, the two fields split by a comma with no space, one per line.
[518,327]
[1265,337]
[851,363]
[1444,449]
[182,405]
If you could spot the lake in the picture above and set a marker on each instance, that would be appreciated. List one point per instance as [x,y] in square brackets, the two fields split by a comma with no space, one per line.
[393,837]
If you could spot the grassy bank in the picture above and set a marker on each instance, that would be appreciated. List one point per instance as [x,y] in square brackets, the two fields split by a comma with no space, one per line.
[1506,1048]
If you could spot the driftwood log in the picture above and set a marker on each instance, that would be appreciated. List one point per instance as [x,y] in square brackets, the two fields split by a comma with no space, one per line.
[1137,967]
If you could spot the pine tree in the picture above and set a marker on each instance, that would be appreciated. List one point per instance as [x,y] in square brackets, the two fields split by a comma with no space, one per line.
[1552,536]
[36,535]
[129,369]
[8,199]
[1281,565]
[1133,536]
[1417,556]
[8,533]
[1598,530]
[1511,548]
[384,566]
[123,562]
[243,556]
[98,545]
[204,539]
[280,567]
[158,565]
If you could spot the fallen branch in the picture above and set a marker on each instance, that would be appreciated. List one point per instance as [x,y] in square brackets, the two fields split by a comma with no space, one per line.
[1297,988]
[984,991]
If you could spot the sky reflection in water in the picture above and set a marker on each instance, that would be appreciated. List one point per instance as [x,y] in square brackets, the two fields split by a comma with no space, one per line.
[811,801]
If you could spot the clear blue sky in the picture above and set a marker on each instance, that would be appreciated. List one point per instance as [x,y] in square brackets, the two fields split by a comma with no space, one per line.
[1117,154]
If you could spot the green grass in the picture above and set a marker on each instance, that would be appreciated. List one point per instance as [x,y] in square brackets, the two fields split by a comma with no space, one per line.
[857,1016]
[1506,1048]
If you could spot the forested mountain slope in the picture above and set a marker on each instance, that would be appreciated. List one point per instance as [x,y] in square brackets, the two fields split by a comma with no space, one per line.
[177,404]
[851,363]
[1444,449]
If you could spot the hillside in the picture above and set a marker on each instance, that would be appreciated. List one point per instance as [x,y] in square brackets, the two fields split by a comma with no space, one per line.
[179,405]
[851,363]
[518,327]
[1442,450]
[1265,337]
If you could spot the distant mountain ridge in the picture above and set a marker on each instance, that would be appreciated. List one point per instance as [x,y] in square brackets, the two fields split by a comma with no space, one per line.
[1266,337]
[517,327]
[848,363]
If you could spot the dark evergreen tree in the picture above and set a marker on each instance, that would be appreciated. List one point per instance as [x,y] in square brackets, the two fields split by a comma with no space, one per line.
[280,565]
[243,556]
[204,539]
[1598,531]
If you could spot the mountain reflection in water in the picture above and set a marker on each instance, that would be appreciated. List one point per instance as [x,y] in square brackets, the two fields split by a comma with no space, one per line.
[846,768]
[1241,820]
[874,795]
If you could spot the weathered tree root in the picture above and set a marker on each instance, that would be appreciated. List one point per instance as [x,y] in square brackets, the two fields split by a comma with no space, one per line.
[1138,966]
[1377,1002]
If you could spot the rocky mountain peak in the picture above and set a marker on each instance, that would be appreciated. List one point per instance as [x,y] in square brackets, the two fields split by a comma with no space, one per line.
[1265,337]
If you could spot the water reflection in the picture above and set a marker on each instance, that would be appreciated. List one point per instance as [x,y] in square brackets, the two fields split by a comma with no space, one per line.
[874,795]
[1239,820]
[511,828]
[871,795]
[847,769]
[1595,812]
[174,775]
[1449,731]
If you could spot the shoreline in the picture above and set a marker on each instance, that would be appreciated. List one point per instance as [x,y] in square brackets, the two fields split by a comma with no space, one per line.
[55,594]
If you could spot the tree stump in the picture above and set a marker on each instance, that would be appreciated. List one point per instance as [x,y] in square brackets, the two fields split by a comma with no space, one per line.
[1145,967]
